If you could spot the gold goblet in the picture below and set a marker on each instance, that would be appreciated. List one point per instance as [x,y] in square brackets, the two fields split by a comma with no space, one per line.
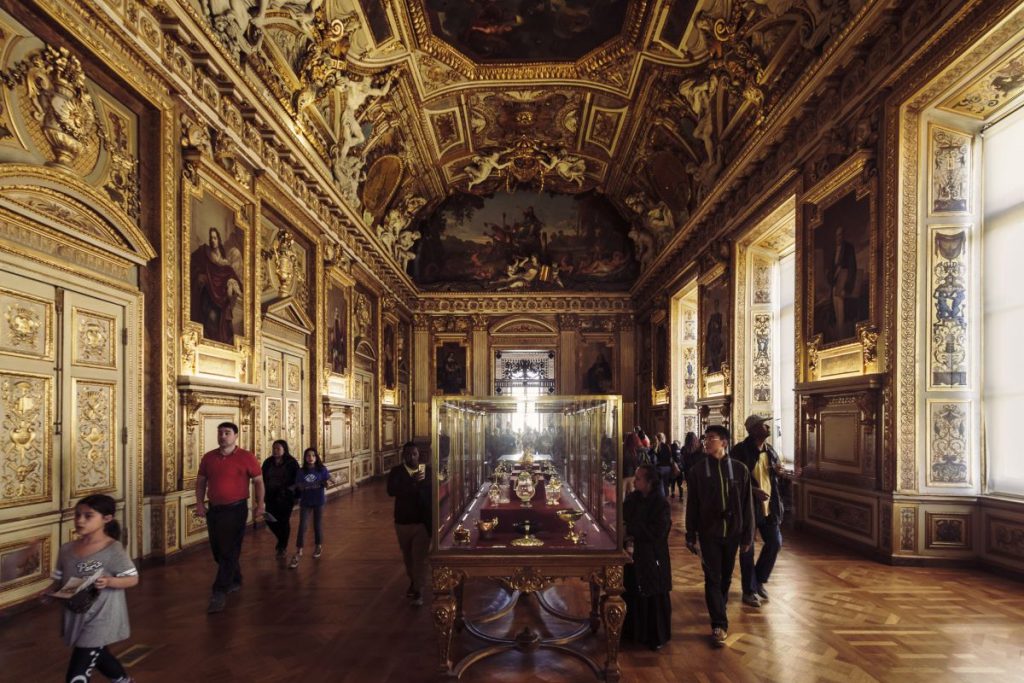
[570,517]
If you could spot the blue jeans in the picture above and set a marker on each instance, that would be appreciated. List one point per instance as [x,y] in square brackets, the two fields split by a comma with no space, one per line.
[753,576]
[318,515]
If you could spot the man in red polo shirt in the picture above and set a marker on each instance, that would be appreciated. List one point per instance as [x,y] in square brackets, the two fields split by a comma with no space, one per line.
[226,472]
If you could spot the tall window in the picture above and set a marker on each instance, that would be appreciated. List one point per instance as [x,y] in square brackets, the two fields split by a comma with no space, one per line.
[784,432]
[1003,310]
[684,362]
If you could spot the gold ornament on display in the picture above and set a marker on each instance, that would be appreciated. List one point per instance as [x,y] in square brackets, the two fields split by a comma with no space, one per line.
[525,488]
[570,517]
[528,540]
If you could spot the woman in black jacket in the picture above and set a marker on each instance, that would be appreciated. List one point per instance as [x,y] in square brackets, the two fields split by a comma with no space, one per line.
[279,479]
[648,579]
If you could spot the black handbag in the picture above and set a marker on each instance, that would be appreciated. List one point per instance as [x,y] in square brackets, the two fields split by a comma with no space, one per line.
[80,602]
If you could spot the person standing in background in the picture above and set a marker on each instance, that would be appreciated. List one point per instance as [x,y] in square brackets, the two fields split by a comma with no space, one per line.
[227,471]
[409,485]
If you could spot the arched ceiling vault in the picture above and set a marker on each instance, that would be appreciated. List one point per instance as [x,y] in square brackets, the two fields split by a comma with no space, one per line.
[644,101]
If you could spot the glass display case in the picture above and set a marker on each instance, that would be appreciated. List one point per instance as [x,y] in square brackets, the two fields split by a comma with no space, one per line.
[527,475]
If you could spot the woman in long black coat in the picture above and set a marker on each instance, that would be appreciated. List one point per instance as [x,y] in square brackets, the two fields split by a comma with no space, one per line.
[648,518]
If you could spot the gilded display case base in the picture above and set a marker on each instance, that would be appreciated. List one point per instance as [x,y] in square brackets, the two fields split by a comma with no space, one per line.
[525,576]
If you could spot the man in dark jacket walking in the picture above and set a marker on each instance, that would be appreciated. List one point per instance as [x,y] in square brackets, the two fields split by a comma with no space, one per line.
[763,462]
[409,485]
[720,515]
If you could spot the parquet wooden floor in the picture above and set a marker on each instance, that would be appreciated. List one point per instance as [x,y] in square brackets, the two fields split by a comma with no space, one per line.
[344,619]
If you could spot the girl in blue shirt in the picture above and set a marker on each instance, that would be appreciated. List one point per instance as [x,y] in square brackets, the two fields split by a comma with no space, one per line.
[310,481]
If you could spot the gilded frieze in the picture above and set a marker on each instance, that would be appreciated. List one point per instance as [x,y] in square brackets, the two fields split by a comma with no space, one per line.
[949,274]
[94,449]
[949,441]
[949,173]
[26,419]
[761,380]
[991,92]
[27,325]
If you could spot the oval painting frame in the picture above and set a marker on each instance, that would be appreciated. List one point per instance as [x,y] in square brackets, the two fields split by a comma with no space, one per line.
[382,181]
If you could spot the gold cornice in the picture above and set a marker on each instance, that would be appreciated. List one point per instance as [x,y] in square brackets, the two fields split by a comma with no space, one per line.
[505,304]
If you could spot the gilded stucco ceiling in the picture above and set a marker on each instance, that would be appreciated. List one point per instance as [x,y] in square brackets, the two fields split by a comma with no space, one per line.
[646,102]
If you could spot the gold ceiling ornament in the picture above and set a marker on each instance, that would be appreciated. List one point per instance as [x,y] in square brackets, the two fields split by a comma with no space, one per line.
[323,60]
[527,162]
[393,231]
[734,60]
[60,101]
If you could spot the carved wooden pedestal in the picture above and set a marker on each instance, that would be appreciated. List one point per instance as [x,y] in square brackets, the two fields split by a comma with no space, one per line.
[526,576]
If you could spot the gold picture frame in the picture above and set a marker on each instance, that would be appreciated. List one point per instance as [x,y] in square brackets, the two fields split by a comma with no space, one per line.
[840,295]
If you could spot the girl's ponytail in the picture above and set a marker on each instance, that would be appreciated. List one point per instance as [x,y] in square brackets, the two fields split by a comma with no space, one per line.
[105,505]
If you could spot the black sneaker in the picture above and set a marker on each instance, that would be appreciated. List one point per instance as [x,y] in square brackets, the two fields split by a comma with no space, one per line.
[217,603]
[234,588]
[763,594]
[411,592]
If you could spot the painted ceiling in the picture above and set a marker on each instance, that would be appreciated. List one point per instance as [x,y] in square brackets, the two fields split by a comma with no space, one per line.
[643,103]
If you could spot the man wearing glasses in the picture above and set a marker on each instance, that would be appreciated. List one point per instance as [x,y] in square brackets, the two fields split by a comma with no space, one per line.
[720,515]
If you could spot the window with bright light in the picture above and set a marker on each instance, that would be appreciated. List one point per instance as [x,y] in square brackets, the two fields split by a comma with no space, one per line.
[1003,307]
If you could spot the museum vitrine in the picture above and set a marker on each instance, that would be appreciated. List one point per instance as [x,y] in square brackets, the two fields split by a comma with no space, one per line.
[517,475]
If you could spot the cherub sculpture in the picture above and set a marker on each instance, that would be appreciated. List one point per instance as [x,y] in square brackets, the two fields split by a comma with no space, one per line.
[569,167]
[482,166]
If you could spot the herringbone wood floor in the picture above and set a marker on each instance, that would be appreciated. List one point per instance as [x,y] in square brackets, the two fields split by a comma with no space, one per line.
[344,618]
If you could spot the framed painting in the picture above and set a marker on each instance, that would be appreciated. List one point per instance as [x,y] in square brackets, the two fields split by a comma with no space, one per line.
[715,331]
[840,241]
[216,265]
[336,316]
[597,367]
[450,367]
[387,361]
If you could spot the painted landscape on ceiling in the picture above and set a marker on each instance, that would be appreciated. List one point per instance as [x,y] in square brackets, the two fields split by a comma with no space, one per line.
[526,30]
[524,241]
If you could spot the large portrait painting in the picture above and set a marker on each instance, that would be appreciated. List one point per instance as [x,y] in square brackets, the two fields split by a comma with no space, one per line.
[714,324]
[524,241]
[660,355]
[388,356]
[216,271]
[526,30]
[337,328]
[597,363]
[450,362]
[841,248]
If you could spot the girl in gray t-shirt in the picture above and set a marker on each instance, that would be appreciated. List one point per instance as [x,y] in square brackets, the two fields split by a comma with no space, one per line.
[106,620]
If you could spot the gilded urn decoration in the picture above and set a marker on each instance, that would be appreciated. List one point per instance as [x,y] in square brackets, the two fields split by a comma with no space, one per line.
[60,102]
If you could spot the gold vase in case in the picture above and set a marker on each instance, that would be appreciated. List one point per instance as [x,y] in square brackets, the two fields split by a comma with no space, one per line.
[570,517]
[525,488]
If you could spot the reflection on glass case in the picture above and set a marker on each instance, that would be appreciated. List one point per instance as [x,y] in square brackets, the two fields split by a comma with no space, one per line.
[527,474]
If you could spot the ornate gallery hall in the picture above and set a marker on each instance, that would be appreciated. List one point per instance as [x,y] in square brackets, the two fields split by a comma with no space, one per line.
[525,237]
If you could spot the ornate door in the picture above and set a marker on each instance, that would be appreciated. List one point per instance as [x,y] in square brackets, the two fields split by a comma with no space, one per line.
[62,421]
[284,380]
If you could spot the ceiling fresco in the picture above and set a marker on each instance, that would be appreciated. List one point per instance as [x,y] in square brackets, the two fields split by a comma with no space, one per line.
[526,30]
[524,241]
[645,102]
